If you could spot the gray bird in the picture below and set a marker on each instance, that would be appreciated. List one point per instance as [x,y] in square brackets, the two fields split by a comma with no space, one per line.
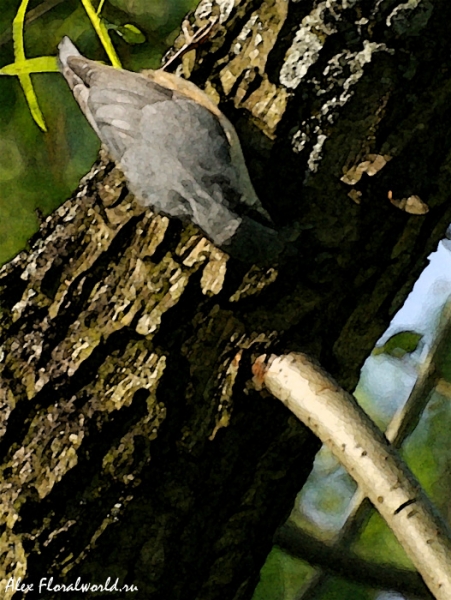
[180,155]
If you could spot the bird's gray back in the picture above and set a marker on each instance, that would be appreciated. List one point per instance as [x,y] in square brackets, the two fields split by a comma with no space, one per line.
[179,155]
[174,152]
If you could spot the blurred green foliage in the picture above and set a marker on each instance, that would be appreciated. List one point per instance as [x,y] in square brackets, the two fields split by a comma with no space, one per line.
[281,577]
[40,170]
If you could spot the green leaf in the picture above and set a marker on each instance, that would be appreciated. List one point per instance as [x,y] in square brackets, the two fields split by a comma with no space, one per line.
[131,34]
[40,64]
[400,344]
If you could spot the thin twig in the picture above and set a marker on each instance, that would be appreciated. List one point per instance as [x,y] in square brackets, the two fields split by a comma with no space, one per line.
[192,40]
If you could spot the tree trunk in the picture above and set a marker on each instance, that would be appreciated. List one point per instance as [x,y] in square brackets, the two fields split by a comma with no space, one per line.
[133,446]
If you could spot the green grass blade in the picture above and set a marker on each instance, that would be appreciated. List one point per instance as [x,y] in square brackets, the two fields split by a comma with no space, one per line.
[102,32]
[40,64]
[19,56]
[30,95]
[19,50]
[99,8]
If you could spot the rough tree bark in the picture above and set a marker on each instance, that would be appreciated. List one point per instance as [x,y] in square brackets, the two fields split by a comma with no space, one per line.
[132,445]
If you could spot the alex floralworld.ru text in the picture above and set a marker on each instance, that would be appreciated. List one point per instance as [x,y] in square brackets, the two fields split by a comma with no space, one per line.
[47,585]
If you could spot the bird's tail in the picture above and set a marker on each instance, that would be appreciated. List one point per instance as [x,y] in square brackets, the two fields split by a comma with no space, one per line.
[66,48]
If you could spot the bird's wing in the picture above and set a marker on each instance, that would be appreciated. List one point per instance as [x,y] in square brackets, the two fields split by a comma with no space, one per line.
[187,89]
[114,102]
[113,99]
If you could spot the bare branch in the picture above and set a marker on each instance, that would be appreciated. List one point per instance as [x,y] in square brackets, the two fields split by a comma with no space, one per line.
[400,427]
[336,418]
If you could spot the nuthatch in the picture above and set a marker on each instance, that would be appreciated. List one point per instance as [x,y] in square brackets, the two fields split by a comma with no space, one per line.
[180,155]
